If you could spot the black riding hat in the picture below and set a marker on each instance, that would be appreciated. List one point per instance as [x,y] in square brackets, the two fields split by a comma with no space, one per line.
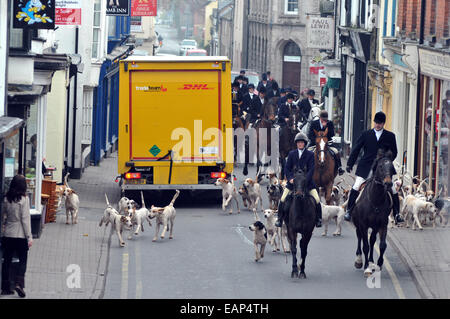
[290,96]
[380,117]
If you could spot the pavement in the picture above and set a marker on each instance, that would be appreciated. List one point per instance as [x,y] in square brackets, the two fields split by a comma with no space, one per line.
[64,251]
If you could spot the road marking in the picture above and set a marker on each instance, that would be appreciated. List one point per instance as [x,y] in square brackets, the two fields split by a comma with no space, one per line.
[124,288]
[394,279]
[137,252]
[239,231]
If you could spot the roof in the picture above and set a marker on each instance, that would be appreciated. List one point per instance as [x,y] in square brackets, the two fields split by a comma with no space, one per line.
[8,125]
[177,59]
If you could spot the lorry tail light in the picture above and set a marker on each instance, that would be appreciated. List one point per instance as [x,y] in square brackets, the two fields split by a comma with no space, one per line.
[218,175]
[132,175]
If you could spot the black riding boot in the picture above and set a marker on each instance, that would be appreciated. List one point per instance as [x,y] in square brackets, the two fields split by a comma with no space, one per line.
[396,209]
[351,203]
[318,215]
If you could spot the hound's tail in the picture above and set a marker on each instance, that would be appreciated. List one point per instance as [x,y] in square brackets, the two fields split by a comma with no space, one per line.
[65,180]
[107,201]
[142,198]
[174,197]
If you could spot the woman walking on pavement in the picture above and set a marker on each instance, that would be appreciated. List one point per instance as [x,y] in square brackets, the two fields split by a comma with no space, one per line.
[16,232]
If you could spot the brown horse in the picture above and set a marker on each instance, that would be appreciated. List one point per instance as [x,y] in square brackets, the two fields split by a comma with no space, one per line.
[324,172]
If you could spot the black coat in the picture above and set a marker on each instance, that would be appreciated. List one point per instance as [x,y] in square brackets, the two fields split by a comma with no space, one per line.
[260,84]
[247,102]
[368,142]
[305,107]
[315,125]
[256,107]
[306,162]
[270,93]
[284,112]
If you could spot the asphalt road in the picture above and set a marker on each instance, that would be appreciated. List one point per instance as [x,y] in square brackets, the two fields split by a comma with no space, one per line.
[171,45]
[212,256]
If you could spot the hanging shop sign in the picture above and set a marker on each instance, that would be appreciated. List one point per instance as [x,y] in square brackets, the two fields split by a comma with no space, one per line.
[34,14]
[68,12]
[320,33]
[118,7]
[141,8]
[435,64]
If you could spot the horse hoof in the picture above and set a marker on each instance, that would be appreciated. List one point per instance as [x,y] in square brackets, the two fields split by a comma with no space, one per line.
[302,275]
[367,273]
[358,265]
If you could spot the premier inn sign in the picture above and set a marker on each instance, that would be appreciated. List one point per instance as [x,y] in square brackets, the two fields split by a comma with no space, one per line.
[118,7]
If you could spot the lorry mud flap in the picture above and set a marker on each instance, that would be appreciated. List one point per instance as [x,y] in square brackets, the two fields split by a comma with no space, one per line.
[171,164]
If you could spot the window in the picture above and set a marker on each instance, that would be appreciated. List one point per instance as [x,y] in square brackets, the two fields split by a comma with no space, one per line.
[19,39]
[112,26]
[136,24]
[88,95]
[291,7]
[96,29]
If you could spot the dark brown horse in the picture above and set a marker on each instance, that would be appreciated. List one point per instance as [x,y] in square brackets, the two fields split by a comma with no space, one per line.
[324,165]
[372,210]
[301,219]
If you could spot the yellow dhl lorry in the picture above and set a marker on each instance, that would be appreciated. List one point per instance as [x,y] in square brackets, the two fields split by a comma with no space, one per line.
[175,123]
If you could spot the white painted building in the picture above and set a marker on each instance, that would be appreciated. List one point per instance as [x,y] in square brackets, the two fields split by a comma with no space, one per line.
[87,44]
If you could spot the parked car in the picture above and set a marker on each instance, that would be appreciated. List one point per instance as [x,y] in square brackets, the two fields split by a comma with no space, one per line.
[253,77]
[187,44]
[196,52]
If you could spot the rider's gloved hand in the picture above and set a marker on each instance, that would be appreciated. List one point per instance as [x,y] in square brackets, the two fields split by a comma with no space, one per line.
[348,169]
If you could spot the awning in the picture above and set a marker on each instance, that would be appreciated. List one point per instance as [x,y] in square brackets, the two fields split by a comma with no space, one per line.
[9,125]
[332,83]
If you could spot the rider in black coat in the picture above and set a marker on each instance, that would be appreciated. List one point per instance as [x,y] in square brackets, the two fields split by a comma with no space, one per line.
[305,104]
[371,141]
[300,158]
[285,109]
[321,125]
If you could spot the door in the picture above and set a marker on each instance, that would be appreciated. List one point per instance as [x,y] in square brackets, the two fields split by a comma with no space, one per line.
[292,66]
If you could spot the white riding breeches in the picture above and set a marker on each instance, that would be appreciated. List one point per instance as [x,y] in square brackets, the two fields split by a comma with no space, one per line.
[359,181]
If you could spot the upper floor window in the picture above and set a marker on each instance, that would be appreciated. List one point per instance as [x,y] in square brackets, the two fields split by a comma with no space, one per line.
[291,6]
[112,26]
[96,29]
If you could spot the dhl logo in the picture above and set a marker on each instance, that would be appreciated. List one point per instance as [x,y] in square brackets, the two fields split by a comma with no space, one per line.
[196,87]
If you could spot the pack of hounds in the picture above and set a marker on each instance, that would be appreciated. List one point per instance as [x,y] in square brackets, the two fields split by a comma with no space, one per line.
[129,216]
[418,206]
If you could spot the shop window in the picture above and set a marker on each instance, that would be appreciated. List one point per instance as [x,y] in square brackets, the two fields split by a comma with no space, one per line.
[11,159]
[444,178]
[31,154]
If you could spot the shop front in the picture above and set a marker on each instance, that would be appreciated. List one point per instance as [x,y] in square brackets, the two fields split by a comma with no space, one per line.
[434,119]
